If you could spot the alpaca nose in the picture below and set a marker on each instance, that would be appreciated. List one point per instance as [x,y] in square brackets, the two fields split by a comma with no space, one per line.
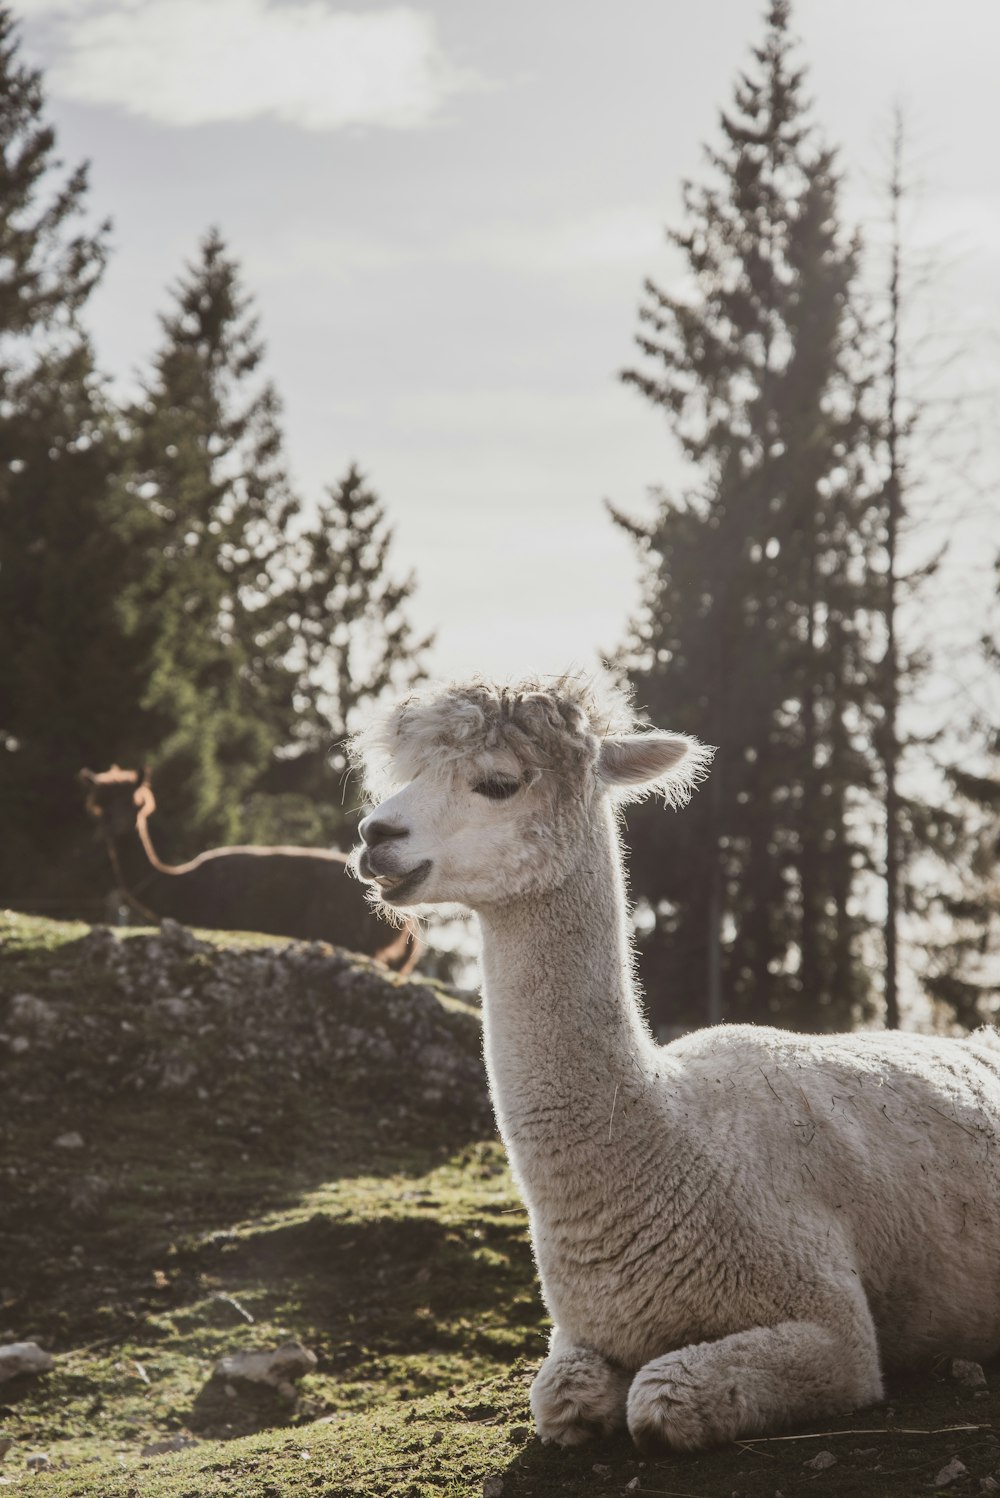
[374,832]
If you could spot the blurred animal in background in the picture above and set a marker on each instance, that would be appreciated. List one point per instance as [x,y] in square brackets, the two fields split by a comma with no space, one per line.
[306,893]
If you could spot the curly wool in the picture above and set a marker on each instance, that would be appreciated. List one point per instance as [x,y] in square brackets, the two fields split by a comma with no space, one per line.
[547,723]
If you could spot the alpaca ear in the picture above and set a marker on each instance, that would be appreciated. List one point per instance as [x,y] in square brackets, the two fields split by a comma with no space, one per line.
[669,762]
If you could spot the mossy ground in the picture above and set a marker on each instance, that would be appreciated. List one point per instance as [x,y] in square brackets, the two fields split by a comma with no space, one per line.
[393,1245]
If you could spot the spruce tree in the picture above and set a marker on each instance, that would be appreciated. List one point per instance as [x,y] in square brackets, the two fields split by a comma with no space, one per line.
[207,465]
[68,676]
[352,642]
[963,967]
[755,629]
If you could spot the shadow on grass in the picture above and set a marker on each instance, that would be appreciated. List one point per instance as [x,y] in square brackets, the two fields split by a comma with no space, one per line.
[891,1450]
[90,1245]
[390,1302]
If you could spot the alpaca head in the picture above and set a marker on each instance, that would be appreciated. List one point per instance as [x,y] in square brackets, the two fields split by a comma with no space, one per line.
[117,798]
[485,794]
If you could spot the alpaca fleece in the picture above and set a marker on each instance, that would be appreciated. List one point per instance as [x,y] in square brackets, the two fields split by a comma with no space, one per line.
[734,1232]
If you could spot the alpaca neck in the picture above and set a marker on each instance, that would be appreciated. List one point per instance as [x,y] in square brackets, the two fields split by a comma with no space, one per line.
[566,1048]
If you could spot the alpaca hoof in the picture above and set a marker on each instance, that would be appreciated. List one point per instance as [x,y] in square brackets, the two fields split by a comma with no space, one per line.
[577,1396]
[668,1410]
[569,1434]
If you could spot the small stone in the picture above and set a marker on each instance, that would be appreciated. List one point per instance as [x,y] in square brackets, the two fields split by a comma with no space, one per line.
[951,1473]
[175,1443]
[28,1011]
[989,1485]
[174,1007]
[23,1357]
[821,1461]
[493,1487]
[277,1367]
[970,1375]
[39,1462]
[601,1470]
[20,1044]
[70,1141]
[633,1486]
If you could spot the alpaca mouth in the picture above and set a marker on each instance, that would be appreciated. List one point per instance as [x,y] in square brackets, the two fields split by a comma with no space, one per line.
[396,887]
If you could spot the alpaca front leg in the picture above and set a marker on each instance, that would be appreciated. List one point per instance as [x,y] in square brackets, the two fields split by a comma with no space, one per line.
[752,1382]
[577,1394]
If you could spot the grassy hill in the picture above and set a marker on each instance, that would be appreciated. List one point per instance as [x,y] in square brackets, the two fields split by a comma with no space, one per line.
[216,1144]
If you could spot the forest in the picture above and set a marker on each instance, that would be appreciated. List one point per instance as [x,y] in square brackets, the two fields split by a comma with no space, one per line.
[168,599]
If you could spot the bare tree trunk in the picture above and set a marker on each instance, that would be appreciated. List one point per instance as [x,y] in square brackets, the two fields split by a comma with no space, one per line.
[890,728]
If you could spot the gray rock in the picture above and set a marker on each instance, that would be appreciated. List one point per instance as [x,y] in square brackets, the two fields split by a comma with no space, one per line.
[27,1012]
[278,1367]
[100,944]
[88,1194]
[951,1473]
[821,1461]
[23,1357]
[989,1485]
[174,1008]
[493,1487]
[189,1026]
[39,1462]
[178,1073]
[969,1375]
[180,938]
[175,1443]
[70,1141]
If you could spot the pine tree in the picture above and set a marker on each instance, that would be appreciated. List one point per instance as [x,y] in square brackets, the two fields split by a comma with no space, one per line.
[756,623]
[68,677]
[352,643]
[206,462]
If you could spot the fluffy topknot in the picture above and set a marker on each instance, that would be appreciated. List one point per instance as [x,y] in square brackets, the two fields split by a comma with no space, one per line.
[550,723]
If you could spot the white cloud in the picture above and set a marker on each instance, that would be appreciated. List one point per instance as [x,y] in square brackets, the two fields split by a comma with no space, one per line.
[189,62]
[29,9]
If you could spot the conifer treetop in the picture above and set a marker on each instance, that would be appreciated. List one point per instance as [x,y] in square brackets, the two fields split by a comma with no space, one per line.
[47,272]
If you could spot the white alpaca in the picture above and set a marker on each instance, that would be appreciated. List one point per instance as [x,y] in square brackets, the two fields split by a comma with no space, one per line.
[733,1232]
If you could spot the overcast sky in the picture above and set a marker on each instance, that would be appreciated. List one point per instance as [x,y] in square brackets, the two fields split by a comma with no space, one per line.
[445,212]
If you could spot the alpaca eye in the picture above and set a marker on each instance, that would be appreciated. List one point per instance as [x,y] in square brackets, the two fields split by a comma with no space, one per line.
[495,789]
